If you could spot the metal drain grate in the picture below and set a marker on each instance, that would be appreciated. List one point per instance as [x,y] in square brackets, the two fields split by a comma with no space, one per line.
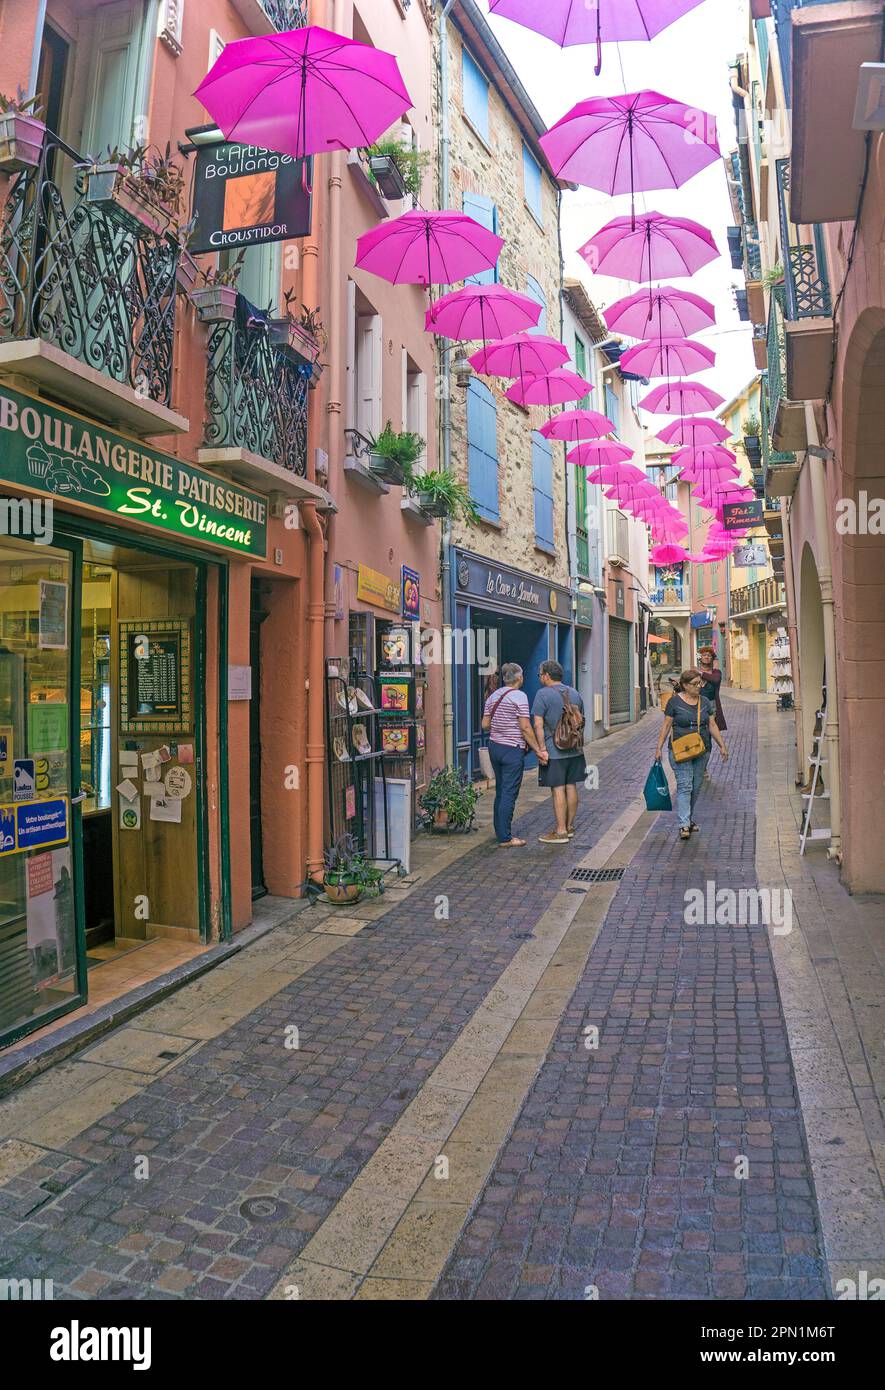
[597,875]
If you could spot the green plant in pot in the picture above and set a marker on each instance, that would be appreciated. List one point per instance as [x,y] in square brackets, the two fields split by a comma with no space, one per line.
[449,801]
[752,432]
[22,133]
[344,874]
[441,494]
[394,455]
[215,297]
[397,168]
[774,276]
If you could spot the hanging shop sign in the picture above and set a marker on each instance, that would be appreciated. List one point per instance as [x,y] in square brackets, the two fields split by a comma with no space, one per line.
[498,586]
[584,610]
[245,195]
[737,515]
[377,589]
[53,451]
[411,593]
[749,556]
[705,618]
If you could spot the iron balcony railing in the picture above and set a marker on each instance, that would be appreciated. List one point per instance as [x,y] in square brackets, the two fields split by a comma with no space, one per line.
[256,393]
[758,597]
[286,14]
[752,252]
[806,283]
[98,286]
[777,353]
[668,596]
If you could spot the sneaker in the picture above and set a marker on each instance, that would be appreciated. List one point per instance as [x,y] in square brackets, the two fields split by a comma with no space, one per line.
[552,838]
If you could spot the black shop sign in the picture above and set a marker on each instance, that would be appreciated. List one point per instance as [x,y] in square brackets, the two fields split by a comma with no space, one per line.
[245,196]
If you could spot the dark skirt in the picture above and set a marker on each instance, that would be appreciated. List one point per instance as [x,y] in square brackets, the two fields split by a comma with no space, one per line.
[711,692]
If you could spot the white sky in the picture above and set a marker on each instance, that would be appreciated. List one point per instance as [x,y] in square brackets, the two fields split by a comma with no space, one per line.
[688,62]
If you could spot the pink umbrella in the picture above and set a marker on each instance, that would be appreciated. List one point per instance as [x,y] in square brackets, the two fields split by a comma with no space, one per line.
[428,248]
[595,455]
[693,431]
[573,425]
[657,245]
[630,144]
[618,475]
[567,22]
[707,456]
[706,465]
[305,91]
[482,311]
[680,398]
[553,388]
[521,355]
[674,357]
[668,555]
[670,313]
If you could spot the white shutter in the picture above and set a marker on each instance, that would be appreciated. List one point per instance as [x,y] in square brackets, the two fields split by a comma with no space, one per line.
[350,411]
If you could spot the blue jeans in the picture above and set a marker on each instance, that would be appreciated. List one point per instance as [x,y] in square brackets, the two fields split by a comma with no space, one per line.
[509,764]
[689,778]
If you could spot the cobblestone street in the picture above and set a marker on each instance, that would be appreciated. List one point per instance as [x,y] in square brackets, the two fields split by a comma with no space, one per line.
[448,1125]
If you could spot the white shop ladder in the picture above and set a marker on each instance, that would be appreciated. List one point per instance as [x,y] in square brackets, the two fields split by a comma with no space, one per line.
[809,797]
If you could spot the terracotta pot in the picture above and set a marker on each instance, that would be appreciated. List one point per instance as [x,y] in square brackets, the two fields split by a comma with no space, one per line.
[110,187]
[441,818]
[215,303]
[340,893]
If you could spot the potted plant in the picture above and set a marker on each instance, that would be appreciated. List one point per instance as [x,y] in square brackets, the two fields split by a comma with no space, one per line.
[21,133]
[136,187]
[742,300]
[774,276]
[215,299]
[752,441]
[449,802]
[397,169]
[343,876]
[187,272]
[735,247]
[440,494]
[393,455]
[302,334]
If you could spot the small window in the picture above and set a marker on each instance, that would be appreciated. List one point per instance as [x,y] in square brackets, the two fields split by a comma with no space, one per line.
[613,409]
[482,449]
[542,481]
[533,183]
[534,291]
[483,211]
[476,95]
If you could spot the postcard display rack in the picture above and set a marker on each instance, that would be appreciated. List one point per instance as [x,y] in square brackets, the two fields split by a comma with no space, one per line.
[402,687]
[355,760]
[781,669]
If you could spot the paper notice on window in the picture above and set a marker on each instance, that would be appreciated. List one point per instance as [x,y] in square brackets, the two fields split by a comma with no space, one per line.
[128,790]
[166,809]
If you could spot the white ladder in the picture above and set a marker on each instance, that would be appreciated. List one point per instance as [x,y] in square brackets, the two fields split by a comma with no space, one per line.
[809,797]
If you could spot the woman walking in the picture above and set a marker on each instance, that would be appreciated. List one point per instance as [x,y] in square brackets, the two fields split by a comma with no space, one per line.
[690,713]
[506,718]
[712,681]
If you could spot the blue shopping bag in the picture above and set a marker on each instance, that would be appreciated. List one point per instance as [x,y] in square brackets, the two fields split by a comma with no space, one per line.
[656,790]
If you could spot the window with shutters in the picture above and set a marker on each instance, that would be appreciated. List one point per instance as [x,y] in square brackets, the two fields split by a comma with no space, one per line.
[476,94]
[483,211]
[581,531]
[364,366]
[582,358]
[482,449]
[542,481]
[613,409]
[415,405]
[533,184]
[534,291]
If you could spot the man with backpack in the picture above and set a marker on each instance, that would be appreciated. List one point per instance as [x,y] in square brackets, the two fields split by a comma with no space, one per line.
[558,715]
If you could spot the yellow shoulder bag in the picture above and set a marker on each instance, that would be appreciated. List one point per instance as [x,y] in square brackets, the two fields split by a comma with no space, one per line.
[690,745]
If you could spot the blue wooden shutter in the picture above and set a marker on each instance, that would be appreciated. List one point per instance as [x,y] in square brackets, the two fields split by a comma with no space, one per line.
[483,211]
[542,480]
[476,94]
[482,449]
[534,291]
[532,178]
[613,409]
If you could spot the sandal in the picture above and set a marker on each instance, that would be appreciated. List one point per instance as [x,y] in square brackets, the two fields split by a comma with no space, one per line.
[510,844]
[684,833]
[693,827]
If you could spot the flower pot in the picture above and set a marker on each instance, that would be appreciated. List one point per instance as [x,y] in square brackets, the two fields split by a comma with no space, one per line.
[388,177]
[186,272]
[110,187]
[21,141]
[342,890]
[743,305]
[735,247]
[752,446]
[441,819]
[433,506]
[215,303]
[387,469]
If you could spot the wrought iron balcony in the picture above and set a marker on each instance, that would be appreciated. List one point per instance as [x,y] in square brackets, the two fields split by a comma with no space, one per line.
[760,597]
[752,252]
[776,355]
[256,393]
[806,283]
[98,285]
[286,14]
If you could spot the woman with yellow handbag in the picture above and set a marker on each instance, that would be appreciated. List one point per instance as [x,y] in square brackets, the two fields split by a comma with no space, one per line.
[690,722]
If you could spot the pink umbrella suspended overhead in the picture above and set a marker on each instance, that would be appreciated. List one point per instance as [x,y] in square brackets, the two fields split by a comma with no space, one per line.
[631,144]
[575,425]
[673,357]
[482,311]
[693,432]
[558,387]
[569,22]
[656,246]
[428,248]
[522,355]
[596,455]
[681,397]
[669,313]
[704,457]
[618,475]
[303,92]
[669,554]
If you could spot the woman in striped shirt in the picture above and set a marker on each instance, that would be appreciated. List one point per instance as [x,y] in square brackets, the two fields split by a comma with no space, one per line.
[506,718]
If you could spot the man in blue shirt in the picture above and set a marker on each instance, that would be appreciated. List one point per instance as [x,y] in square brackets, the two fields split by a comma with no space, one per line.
[565,768]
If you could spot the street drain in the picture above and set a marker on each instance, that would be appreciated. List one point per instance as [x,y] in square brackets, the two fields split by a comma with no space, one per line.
[522,936]
[263,1209]
[597,875]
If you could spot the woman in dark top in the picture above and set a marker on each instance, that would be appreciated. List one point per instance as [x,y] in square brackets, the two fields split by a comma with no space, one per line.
[712,681]
[687,712]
